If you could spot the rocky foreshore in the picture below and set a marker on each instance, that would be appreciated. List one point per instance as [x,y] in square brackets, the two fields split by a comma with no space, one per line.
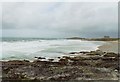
[93,65]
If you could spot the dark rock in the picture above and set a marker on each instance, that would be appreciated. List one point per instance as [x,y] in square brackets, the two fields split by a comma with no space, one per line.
[110,54]
[63,61]
[84,52]
[51,60]
[59,57]
[95,66]
[40,57]
[72,52]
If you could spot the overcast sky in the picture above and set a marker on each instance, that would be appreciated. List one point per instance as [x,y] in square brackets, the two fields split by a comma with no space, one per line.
[59,19]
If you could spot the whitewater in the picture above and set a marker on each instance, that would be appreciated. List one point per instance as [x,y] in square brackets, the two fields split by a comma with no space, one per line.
[29,49]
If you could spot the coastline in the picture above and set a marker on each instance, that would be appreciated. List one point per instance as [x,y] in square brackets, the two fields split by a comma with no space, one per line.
[48,48]
[109,46]
[87,67]
[84,65]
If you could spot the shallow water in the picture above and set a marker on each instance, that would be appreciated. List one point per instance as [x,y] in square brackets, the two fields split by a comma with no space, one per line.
[28,49]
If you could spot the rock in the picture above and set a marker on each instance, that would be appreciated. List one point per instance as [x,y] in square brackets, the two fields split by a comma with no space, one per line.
[90,54]
[60,77]
[40,57]
[66,57]
[95,58]
[84,52]
[59,57]
[15,63]
[63,61]
[80,63]
[74,59]
[50,60]
[72,52]
[26,60]
[112,65]
[78,67]
[109,59]
[110,54]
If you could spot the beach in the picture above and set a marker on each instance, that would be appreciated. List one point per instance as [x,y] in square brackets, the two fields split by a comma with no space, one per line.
[64,41]
[109,46]
[97,64]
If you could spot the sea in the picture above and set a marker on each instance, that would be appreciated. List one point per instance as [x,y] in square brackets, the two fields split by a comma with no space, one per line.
[29,48]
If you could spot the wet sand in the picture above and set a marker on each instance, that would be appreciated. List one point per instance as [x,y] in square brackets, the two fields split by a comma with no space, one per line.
[110,46]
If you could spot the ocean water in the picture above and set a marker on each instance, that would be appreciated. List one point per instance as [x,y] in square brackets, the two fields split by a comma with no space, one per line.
[28,48]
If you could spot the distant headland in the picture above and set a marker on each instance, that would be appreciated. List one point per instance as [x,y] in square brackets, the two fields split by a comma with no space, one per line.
[105,38]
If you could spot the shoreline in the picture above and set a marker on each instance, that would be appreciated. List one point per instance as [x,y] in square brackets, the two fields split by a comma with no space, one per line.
[83,65]
[109,46]
[88,66]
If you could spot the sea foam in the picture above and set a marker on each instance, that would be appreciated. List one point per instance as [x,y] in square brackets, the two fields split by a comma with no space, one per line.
[45,48]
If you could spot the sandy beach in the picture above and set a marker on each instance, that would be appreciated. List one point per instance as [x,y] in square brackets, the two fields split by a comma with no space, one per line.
[110,46]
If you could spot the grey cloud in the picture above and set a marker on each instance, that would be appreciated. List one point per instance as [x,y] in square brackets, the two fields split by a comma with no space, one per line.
[60,19]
